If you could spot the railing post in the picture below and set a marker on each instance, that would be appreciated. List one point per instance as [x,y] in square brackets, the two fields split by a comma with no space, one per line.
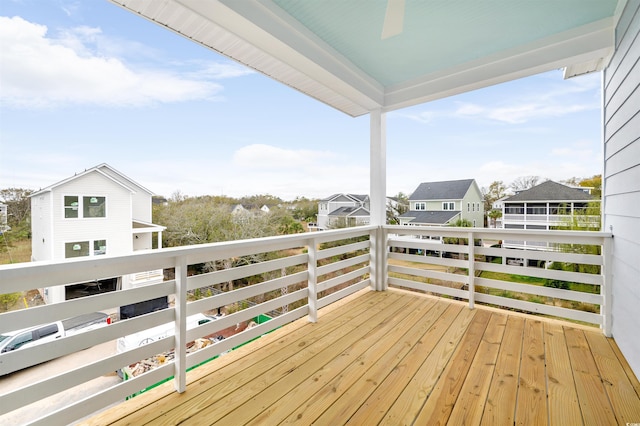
[472,271]
[605,290]
[312,284]
[180,361]
[378,253]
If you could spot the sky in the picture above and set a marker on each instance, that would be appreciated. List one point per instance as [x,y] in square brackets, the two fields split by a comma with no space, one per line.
[83,82]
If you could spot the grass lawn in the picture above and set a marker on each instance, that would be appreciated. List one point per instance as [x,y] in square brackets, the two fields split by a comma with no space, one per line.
[18,251]
[512,278]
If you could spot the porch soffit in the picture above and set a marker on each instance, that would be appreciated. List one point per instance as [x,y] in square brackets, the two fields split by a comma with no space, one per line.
[333,50]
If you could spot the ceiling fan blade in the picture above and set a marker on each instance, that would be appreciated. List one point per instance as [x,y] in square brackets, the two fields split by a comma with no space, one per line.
[393,19]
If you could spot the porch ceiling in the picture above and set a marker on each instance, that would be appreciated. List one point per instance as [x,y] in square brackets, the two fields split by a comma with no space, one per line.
[334,50]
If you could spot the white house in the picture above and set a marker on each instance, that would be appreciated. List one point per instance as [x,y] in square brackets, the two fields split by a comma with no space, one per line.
[549,205]
[347,209]
[443,203]
[94,213]
[3,218]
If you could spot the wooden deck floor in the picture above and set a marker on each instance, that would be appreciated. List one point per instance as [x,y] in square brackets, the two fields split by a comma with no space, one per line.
[400,358]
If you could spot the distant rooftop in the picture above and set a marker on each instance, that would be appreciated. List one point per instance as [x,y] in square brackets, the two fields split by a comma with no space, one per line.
[444,190]
[430,217]
[551,191]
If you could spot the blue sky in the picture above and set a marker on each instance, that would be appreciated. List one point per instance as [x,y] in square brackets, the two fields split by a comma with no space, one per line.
[84,83]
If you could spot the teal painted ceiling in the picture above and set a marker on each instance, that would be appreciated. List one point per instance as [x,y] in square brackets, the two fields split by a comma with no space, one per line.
[334,51]
[431,39]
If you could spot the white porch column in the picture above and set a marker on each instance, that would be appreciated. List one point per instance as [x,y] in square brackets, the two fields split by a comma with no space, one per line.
[378,195]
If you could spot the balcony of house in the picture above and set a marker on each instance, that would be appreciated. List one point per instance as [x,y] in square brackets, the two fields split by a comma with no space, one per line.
[333,350]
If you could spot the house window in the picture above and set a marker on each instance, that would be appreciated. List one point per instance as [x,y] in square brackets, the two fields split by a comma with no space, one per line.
[514,208]
[81,248]
[536,209]
[99,247]
[421,206]
[70,206]
[76,249]
[468,207]
[473,206]
[94,206]
[84,207]
[448,206]
[513,226]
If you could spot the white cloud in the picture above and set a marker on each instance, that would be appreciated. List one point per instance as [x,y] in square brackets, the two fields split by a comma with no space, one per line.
[41,71]
[424,117]
[549,99]
[264,157]
[517,113]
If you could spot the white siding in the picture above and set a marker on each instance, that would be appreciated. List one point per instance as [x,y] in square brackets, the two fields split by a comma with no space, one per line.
[622,180]
[140,198]
[41,232]
[115,227]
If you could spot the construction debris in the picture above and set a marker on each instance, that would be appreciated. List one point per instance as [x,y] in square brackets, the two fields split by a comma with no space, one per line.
[165,357]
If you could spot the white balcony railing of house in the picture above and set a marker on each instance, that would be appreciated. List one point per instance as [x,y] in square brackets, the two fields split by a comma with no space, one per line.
[572,281]
[551,219]
[295,275]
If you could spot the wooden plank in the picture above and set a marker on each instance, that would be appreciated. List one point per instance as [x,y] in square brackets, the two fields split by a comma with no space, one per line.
[410,401]
[398,373]
[501,400]
[531,405]
[234,391]
[625,366]
[328,384]
[155,402]
[439,405]
[470,404]
[387,375]
[622,395]
[593,399]
[564,408]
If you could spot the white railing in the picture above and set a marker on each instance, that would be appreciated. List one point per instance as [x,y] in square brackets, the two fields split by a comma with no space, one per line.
[572,281]
[427,259]
[300,274]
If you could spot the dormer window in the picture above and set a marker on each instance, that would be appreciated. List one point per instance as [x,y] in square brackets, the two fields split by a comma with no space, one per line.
[421,206]
[448,205]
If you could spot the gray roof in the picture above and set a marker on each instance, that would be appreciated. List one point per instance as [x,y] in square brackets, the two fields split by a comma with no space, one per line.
[346,197]
[551,191]
[350,211]
[431,217]
[445,190]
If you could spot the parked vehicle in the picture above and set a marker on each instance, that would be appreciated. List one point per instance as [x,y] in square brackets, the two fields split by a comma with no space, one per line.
[44,333]
[144,337]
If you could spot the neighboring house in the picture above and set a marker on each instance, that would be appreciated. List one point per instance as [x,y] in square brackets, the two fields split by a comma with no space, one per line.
[548,205]
[239,209]
[3,218]
[94,213]
[341,210]
[444,203]
[497,205]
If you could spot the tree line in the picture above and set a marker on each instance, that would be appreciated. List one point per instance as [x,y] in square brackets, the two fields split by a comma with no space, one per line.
[204,219]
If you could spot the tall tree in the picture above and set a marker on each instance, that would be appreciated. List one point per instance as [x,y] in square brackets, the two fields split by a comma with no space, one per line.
[496,190]
[594,182]
[18,211]
[305,209]
[524,182]
[398,206]
[494,215]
